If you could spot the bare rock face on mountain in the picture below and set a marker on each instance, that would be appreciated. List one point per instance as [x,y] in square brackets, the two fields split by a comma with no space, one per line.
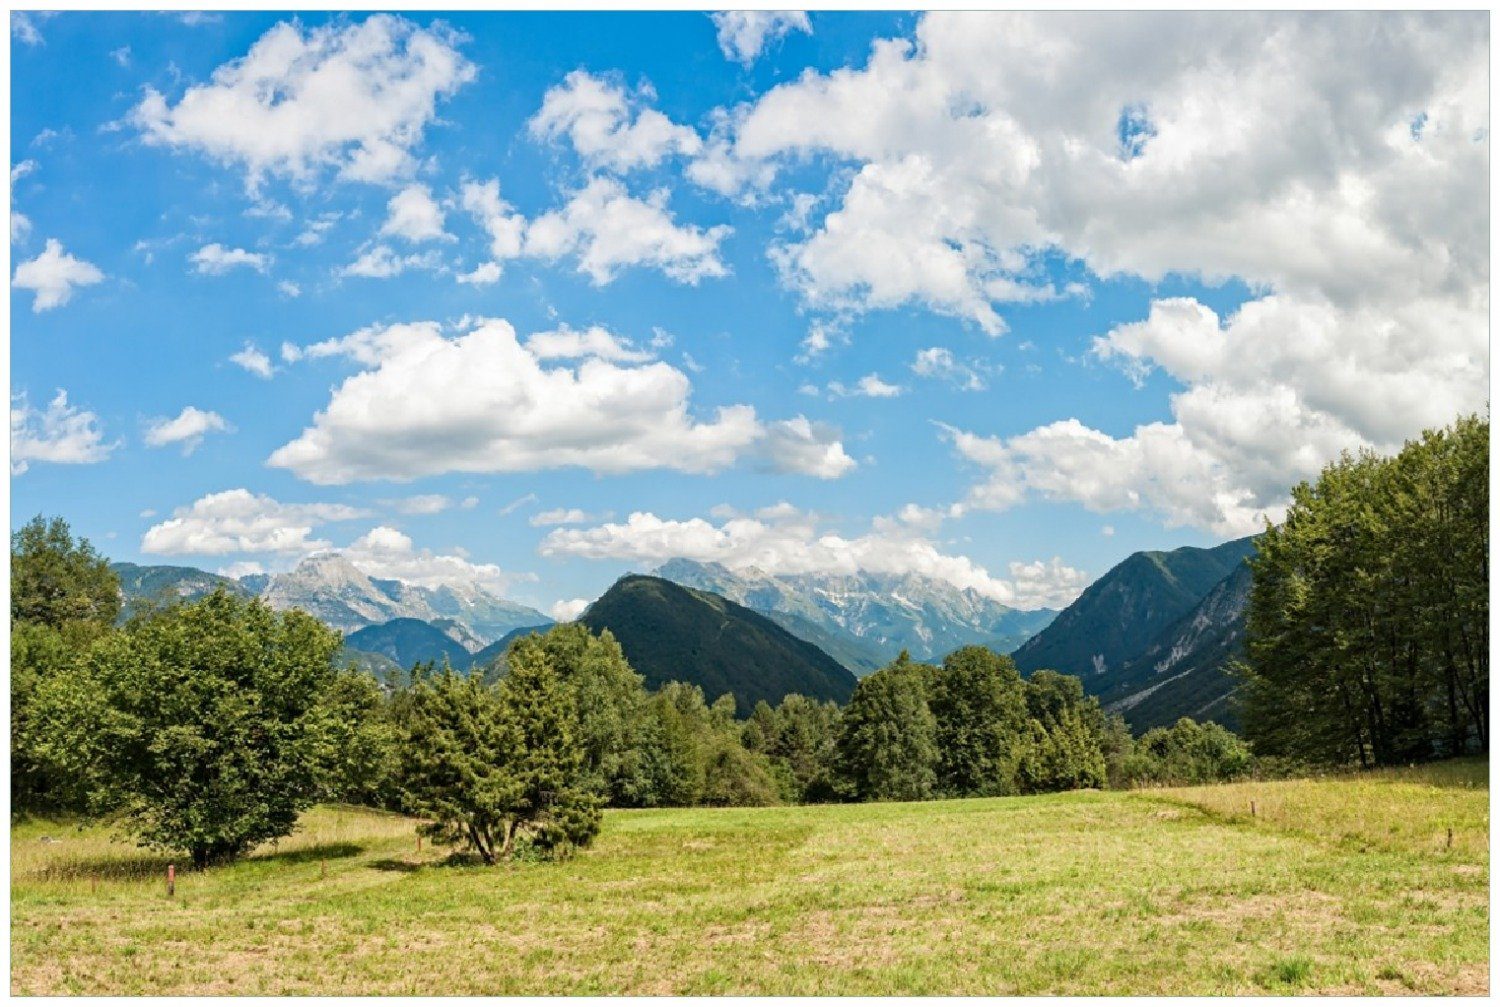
[1184,671]
[1122,612]
[866,619]
[332,588]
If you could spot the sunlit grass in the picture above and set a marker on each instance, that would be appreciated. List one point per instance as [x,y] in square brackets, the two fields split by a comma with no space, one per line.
[1087,893]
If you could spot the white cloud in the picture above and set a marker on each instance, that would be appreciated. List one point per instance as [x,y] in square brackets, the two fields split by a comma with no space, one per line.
[939,362]
[216,260]
[121,56]
[53,275]
[569,609]
[387,553]
[505,227]
[352,97]
[187,428]
[799,446]
[566,343]
[870,386]
[607,229]
[484,402]
[60,434]
[414,215]
[21,170]
[561,515]
[516,504]
[381,262]
[240,521]
[20,227]
[253,360]
[787,541]
[1278,149]
[288,289]
[1272,147]
[481,275]
[608,128]
[241,568]
[744,34]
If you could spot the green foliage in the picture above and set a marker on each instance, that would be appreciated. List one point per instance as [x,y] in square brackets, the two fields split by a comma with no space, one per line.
[614,729]
[1064,755]
[800,737]
[696,753]
[205,726]
[1186,753]
[978,703]
[887,744]
[56,581]
[1369,614]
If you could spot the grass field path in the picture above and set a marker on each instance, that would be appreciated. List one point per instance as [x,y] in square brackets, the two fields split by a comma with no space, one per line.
[1162,892]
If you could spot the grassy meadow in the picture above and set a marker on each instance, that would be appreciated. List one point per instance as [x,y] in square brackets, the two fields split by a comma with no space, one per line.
[1335,885]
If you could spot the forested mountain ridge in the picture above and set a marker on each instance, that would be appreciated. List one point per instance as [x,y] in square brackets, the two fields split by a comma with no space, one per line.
[410,641]
[1183,672]
[1120,615]
[674,633]
[875,616]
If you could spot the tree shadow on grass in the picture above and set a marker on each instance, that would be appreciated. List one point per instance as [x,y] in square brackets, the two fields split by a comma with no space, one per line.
[408,867]
[324,851]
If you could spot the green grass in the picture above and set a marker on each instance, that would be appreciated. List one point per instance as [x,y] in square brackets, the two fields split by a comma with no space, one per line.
[1152,892]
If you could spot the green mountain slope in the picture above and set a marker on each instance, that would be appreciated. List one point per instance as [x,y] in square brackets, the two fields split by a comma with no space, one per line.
[1182,672]
[1121,613]
[155,585]
[407,641]
[674,633]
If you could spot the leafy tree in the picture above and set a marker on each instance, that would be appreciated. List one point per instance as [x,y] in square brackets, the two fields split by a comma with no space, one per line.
[204,725]
[456,746]
[887,745]
[978,702]
[57,581]
[697,755]
[1368,624]
[1187,753]
[1062,755]
[63,597]
[610,700]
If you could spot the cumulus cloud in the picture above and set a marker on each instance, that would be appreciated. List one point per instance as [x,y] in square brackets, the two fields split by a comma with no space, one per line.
[252,359]
[1330,162]
[569,609]
[414,215]
[787,541]
[240,521]
[608,128]
[387,553]
[572,344]
[352,98]
[20,227]
[53,275]
[485,402]
[799,446]
[606,229]
[60,434]
[216,260]
[744,34]
[187,428]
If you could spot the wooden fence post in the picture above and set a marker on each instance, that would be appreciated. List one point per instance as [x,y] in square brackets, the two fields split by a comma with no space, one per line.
[1450,838]
[171,880]
[1252,809]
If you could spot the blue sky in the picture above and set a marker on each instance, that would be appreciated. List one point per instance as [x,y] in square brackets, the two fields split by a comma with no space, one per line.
[1101,320]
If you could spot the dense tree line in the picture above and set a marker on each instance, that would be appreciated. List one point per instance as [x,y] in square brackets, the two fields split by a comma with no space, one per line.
[1369,615]
[208,727]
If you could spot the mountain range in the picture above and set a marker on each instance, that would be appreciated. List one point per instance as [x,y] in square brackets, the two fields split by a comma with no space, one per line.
[1151,638]
[866,619]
